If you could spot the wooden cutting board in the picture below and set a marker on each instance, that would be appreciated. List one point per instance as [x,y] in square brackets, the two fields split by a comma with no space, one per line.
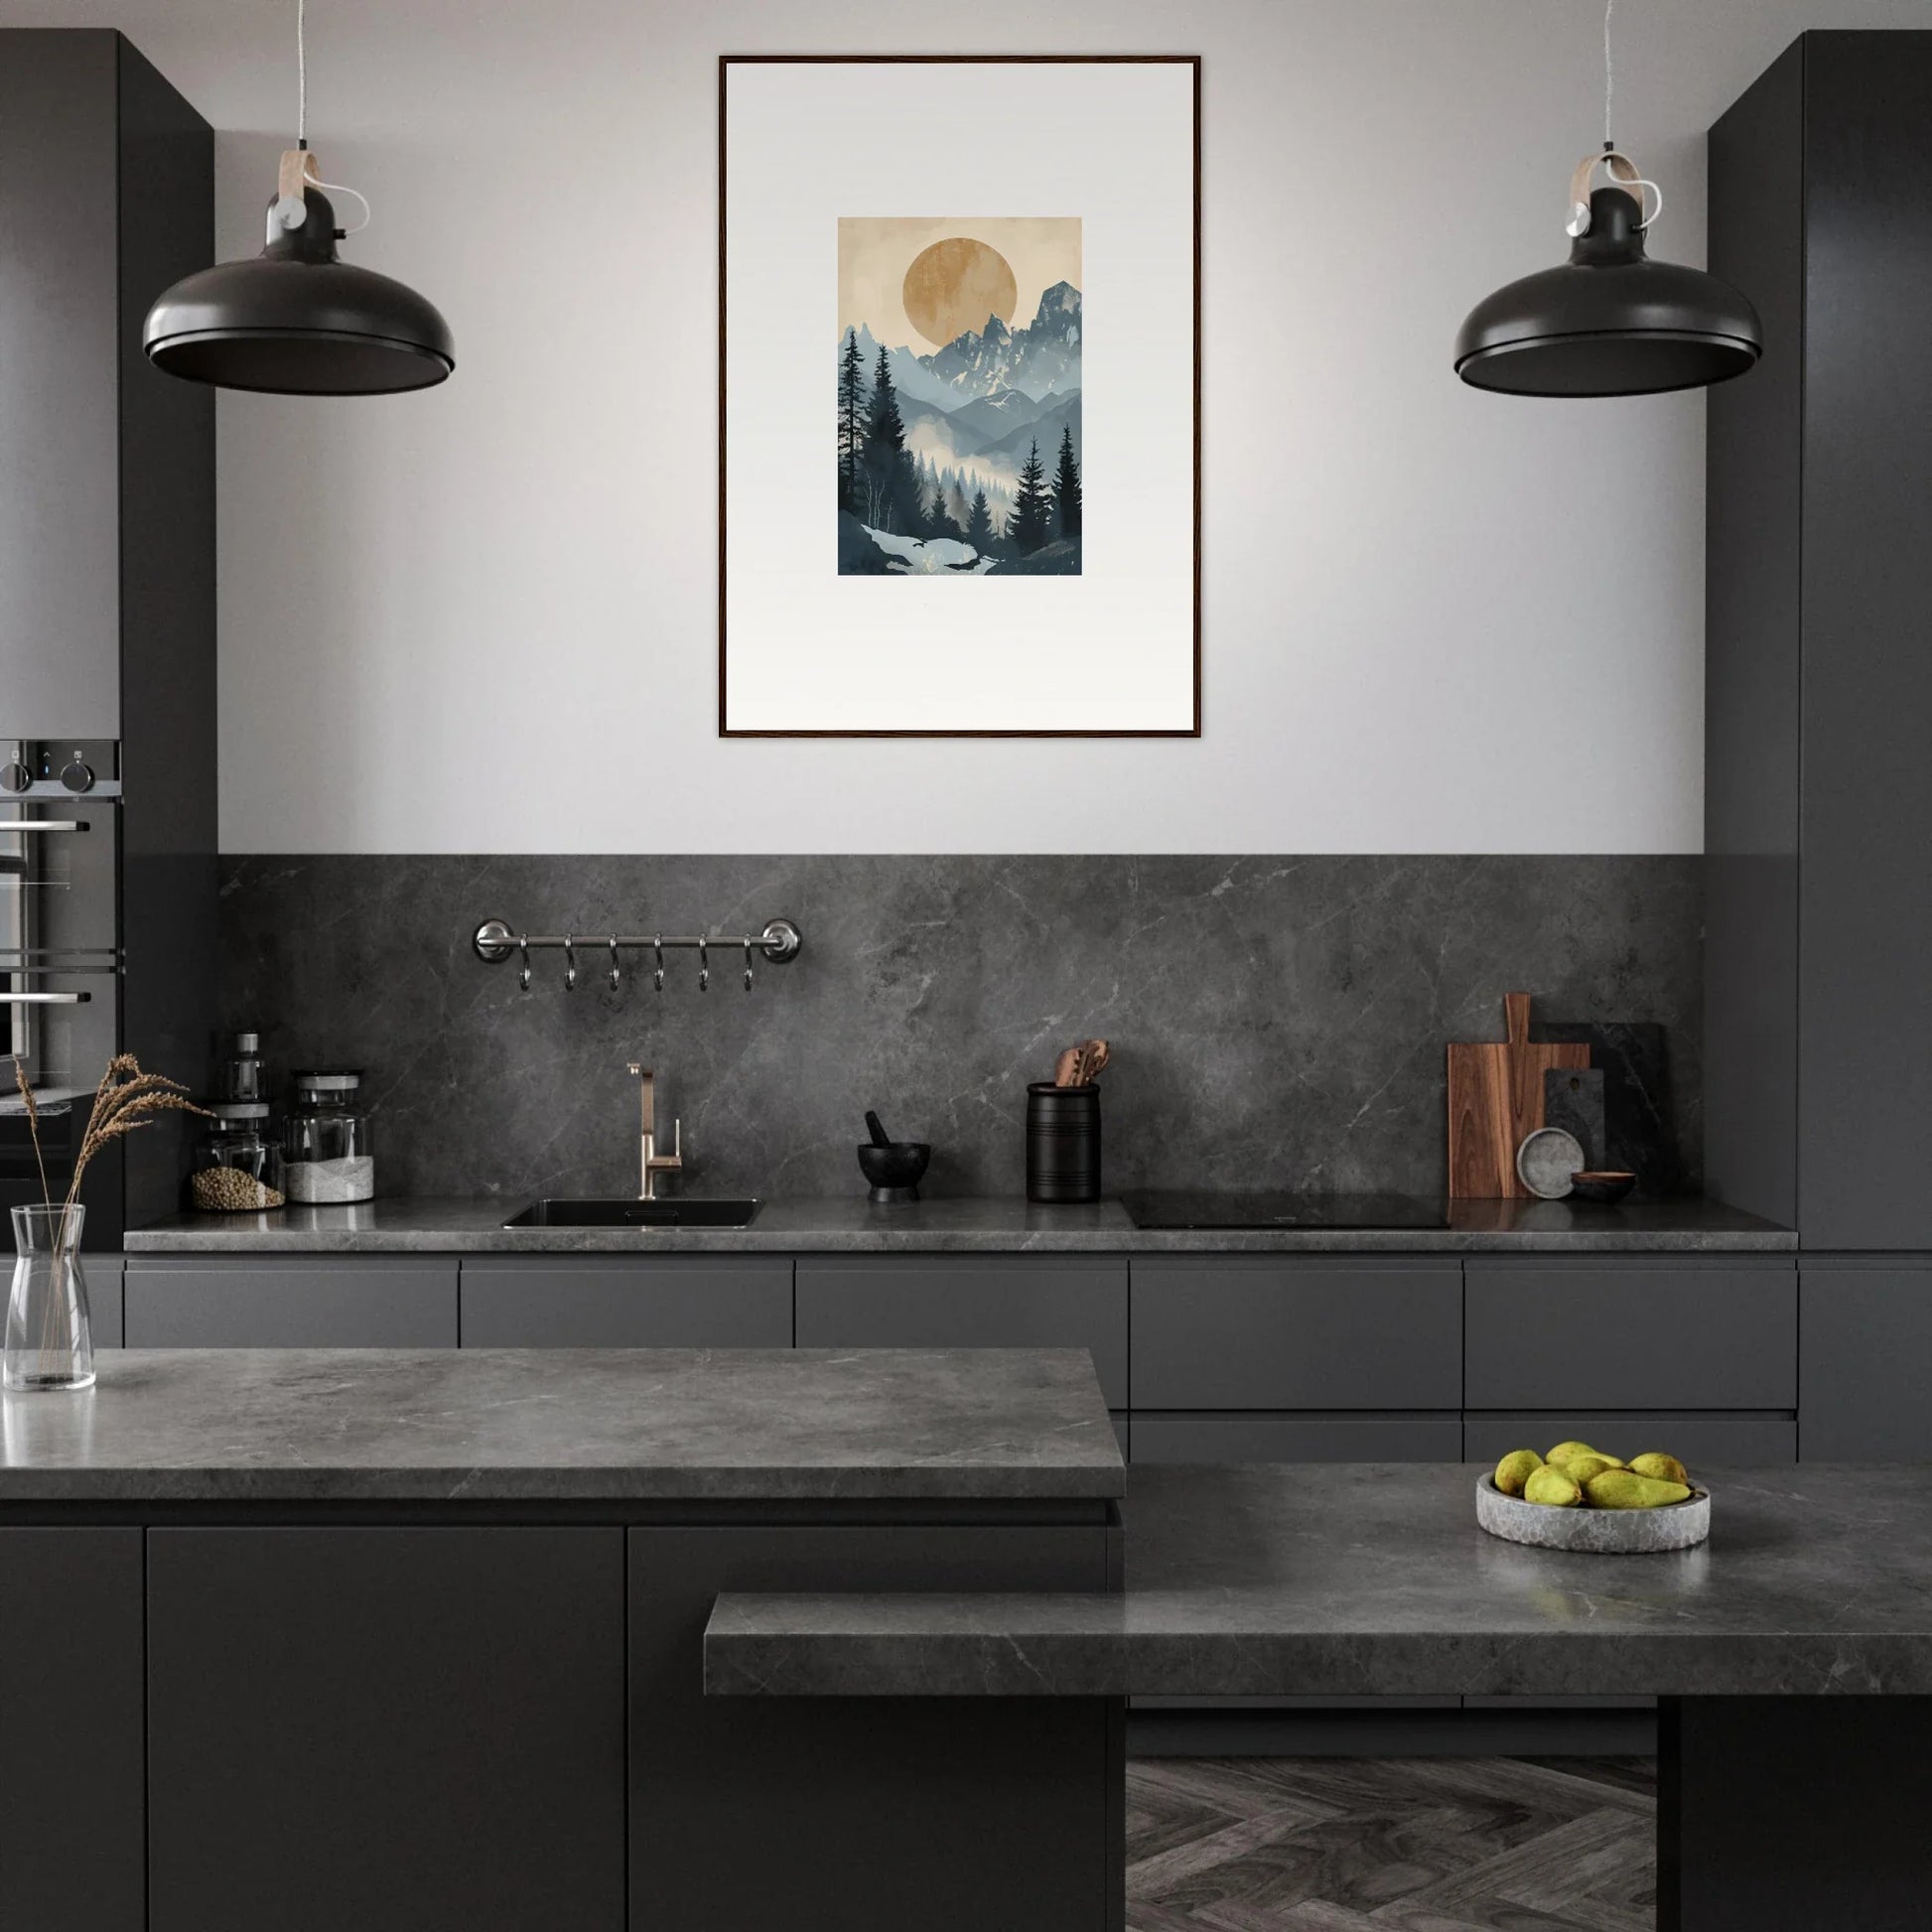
[1495,1099]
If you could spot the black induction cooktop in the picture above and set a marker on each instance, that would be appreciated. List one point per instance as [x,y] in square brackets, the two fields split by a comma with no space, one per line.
[1161,1209]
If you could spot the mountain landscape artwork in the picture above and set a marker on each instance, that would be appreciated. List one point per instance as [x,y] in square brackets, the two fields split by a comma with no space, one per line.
[959,396]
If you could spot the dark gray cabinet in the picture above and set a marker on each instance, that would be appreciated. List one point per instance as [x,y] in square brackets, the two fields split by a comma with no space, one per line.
[609,1302]
[1865,1349]
[1584,1334]
[103,1273]
[1818,679]
[970,1301]
[335,1740]
[974,1812]
[1739,1439]
[275,1301]
[1252,1437]
[73,1824]
[1269,1332]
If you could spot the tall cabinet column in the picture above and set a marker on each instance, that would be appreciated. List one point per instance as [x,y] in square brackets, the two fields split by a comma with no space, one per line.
[1819,712]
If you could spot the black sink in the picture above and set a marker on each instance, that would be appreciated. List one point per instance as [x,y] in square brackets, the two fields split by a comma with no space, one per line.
[635,1214]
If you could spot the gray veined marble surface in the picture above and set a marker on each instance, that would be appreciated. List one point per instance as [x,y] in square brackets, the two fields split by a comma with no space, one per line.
[962,1226]
[1276,1022]
[1373,1580]
[296,1425]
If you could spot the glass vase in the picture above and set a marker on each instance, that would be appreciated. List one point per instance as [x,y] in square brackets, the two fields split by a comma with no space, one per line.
[50,1339]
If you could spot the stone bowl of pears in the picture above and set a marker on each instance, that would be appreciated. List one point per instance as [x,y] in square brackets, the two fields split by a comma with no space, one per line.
[1580,1499]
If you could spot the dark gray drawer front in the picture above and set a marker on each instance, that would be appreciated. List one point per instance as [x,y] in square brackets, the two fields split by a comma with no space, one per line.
[947,1301]
[1866,1351]
[103,1273]
[1735,1441]
[1296,1439]
[266,1302]
[655,1303]
[1239,1334]
[1645,1336]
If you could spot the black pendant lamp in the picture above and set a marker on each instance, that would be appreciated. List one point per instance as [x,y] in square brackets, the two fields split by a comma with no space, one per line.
[297,319]
[1609,322]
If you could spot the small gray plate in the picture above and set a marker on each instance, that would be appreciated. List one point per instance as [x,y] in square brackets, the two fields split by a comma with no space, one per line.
[1599,1531]
[1546,1161]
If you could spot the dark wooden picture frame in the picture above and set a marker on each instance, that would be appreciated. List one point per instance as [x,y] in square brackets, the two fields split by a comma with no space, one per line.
[728,61]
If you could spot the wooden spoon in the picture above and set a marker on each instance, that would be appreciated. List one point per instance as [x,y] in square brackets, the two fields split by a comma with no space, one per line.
[1066,1068]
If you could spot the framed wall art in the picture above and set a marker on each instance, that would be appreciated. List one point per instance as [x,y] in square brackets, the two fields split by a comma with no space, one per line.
[959,396]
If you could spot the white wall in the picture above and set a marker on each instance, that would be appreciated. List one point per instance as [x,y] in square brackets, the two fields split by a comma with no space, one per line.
[484,619]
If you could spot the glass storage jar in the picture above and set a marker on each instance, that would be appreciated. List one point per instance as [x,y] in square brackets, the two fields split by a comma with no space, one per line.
[239,1076]
[329,1153]
[238,1165]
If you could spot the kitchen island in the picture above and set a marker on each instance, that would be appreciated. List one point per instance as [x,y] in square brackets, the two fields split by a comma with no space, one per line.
[413,1639]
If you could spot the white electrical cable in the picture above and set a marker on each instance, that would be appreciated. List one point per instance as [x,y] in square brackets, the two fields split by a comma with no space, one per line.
[1609,71]
[302,75]
[336,187]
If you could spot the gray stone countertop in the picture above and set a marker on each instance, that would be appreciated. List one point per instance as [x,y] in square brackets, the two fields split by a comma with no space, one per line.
[1373,1580]
[598,1424]
[960,1226]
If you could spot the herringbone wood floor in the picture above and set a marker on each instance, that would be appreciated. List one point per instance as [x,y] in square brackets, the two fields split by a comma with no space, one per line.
[1391,1844]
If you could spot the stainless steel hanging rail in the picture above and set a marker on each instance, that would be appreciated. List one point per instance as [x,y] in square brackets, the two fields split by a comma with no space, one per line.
[496,940]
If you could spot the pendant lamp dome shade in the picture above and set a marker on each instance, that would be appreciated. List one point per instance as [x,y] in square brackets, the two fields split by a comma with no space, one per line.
[1609,322]
[297,319]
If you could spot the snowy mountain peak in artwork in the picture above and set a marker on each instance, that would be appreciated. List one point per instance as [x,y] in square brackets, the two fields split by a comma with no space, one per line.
[1041,360]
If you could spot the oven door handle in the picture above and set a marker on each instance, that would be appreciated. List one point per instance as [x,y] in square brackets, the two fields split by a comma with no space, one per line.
[44,999]
[42,825]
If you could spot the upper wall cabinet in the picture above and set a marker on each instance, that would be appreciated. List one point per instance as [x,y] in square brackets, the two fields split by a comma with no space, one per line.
[1819,676]
[106,518]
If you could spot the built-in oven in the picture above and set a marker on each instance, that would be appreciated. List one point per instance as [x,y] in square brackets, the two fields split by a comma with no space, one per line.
[60,955]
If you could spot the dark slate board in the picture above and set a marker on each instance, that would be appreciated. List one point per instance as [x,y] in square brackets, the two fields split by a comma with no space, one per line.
[1635,1062]
[1573,1099]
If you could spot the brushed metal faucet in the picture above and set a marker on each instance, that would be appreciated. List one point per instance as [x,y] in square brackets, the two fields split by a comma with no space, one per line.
[651,1163]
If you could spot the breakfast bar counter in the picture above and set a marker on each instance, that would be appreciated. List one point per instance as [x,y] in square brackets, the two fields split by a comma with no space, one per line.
[1792,1651]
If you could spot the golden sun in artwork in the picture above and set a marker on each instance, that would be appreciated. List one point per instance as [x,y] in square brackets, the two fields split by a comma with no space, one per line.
[954,284]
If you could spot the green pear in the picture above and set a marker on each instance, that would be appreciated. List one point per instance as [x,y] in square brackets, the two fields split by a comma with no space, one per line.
[1564,1450]
[1580,1468]
[1550,1485]
[1625,1489]
[1515,1470]
[1666,1468]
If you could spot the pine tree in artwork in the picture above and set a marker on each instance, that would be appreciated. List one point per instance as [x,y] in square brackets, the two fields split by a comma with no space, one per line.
[940,510]
[891,480]
[1067,486]
[853,405]
[979,523]
[1031,524]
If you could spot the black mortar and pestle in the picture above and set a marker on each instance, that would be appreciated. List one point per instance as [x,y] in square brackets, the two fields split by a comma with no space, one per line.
[892,1167]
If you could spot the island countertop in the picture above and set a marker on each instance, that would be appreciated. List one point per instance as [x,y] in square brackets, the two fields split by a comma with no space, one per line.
[962,1225]
[564,1426]
[1371,1580]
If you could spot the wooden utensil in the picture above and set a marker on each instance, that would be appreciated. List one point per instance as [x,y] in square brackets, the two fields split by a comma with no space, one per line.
[1495,1100]
[1066,1068]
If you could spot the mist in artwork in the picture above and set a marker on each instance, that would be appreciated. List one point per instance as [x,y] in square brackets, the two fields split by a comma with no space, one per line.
[959,404]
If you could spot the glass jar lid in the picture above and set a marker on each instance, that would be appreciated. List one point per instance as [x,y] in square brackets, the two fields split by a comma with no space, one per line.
[239,1112]
[327,1079]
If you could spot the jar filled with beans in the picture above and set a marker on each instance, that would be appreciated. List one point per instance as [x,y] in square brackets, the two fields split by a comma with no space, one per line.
[238,1165]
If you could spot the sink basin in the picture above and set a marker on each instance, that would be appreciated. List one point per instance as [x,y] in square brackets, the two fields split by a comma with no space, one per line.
[635,1214]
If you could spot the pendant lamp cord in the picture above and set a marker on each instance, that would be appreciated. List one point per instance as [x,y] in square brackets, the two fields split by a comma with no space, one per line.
[302,74]
[1609,73]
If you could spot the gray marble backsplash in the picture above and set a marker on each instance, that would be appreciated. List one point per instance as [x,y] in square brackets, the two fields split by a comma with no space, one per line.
[1275,1021]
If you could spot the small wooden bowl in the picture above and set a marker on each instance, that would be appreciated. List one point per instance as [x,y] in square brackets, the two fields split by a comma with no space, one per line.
[1604,1186]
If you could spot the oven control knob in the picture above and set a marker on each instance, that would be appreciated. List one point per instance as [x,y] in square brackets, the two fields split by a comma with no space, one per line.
[77,777]
[15,776]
